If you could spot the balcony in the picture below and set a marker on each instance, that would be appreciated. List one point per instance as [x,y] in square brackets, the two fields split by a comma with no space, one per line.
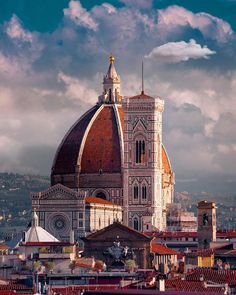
[56,255]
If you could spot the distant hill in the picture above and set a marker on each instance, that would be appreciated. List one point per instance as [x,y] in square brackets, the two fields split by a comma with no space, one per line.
[15,204]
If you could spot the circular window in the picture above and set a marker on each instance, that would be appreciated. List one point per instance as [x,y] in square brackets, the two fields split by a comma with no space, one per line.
[59,223]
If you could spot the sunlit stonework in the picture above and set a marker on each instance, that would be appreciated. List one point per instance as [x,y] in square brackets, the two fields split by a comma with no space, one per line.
[115,155]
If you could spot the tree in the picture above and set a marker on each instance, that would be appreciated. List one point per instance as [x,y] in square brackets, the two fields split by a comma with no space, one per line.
[37,265]
[130,265]
[50,266]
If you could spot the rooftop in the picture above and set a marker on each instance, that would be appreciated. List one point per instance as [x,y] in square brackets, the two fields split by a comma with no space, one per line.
[161,249]
[94,200]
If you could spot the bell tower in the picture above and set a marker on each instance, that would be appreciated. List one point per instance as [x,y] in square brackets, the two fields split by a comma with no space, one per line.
[206,223]
[143,168]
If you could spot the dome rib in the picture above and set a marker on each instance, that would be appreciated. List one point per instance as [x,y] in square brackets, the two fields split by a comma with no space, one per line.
[101,151]
[66,156]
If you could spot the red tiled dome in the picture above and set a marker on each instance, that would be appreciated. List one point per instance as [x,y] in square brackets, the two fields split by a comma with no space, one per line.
[67,154]
[92,146]
[102,145]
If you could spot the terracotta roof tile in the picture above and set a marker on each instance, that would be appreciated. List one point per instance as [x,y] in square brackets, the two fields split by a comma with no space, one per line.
[102,146]
[160,249]
[191,286]
[165,161]
[213,275]
[94,200]
[67,154]
[3,247]
[141,96]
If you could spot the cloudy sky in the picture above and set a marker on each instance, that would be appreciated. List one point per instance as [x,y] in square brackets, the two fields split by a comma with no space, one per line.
[54,53]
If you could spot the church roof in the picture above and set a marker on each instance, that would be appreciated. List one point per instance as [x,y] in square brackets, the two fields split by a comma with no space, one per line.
[68,151]
[142,95]
[111,231]
[37,234]
[94,200]
[93,142]
[165,161]
[102,144]
[161,249]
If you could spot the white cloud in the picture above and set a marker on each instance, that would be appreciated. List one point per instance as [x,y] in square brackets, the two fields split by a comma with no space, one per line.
[180,51]
[15,30]
[41,100]
[173,17]
[11,66]
[193,155]
[78,90]
[80,16]
[28,46]
[109,8]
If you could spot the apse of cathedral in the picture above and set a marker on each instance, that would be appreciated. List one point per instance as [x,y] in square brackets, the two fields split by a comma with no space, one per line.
[110,166]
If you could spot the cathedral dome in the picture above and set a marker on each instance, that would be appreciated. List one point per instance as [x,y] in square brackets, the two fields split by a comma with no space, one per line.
[91,153]
[94,145]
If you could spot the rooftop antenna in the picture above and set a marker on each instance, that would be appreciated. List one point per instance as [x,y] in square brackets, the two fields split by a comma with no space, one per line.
[142,80]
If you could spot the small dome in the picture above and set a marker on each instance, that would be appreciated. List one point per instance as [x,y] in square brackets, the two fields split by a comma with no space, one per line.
[37,234]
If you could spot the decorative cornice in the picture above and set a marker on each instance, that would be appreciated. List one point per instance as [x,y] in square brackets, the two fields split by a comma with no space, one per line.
[54,191]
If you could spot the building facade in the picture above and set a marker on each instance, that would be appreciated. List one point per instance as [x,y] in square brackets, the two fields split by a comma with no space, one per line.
[98,243]
[180,220]
[206,223]
[115,152]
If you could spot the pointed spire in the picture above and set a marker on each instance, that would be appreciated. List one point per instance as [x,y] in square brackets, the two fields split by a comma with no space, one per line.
[111,85]
[111,73]
[35,219]
[142,92]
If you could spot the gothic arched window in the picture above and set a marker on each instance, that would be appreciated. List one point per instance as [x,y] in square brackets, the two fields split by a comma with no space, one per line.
[136,223]
[140,151]
[144,192]
[135,192]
